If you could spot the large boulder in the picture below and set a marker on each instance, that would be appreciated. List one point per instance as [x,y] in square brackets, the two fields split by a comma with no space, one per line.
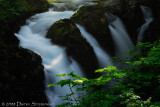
[93,19]
[21,75]
[65,33]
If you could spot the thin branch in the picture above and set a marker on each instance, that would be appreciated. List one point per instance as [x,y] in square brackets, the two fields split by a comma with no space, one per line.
[73,94]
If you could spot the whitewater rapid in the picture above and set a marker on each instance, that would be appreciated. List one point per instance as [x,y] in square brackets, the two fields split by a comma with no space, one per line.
[54,58]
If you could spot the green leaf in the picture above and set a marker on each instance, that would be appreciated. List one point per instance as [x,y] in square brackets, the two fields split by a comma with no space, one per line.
[61,75]
[64,82]
[51,85]
[78,81]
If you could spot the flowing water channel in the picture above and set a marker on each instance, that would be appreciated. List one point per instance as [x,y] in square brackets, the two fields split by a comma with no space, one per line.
[54,58]
[147,13]
[102,56]
[119,34]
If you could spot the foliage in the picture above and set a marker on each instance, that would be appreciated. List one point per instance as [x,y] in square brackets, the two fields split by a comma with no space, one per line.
[11,8]
[143,70]
[136,85]
[75,81]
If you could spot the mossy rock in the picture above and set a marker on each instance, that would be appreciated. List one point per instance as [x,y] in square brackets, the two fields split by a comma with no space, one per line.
[93,19]
[65,33]
[38,5]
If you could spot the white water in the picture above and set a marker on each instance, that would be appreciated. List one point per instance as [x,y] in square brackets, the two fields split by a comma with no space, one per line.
[102,56]
[70,4]
[54,58]
[120,36]
[147,13]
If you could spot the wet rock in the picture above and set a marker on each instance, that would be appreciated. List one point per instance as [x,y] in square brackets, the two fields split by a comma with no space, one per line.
[152,33]
[21,75]
[93,19]
[130,13]
[65,33]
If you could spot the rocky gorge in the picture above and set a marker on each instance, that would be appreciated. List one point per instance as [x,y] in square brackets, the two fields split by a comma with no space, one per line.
[22,73]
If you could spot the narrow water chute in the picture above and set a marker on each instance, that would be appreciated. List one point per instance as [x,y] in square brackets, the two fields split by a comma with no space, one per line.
[102,56]
[119,34]
[147,13]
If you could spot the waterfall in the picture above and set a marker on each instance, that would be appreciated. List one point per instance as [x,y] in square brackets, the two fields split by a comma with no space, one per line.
[54,58]
[147,13]
[102,57]
[120,36]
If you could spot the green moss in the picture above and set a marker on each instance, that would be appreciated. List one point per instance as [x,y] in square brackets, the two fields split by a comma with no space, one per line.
[93,19]
[81,11]
[55,1]
[65,33]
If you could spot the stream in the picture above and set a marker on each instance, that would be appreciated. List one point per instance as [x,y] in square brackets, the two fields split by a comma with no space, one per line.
[54,57]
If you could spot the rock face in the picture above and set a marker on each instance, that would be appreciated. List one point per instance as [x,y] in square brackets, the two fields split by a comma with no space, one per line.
[65,33]
[153,33]
[93,19]
[129,12]
[21,74]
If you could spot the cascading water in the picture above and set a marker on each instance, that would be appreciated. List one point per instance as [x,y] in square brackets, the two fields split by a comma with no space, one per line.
[55,60]
[102,57]
[119,34]
[147,13]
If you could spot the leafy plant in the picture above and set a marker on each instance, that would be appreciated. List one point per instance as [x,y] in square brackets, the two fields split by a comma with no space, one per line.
[135,85]
[10,8]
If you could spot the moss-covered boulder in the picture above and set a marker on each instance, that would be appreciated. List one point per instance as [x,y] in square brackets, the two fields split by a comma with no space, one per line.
[93,19]
[65,33]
